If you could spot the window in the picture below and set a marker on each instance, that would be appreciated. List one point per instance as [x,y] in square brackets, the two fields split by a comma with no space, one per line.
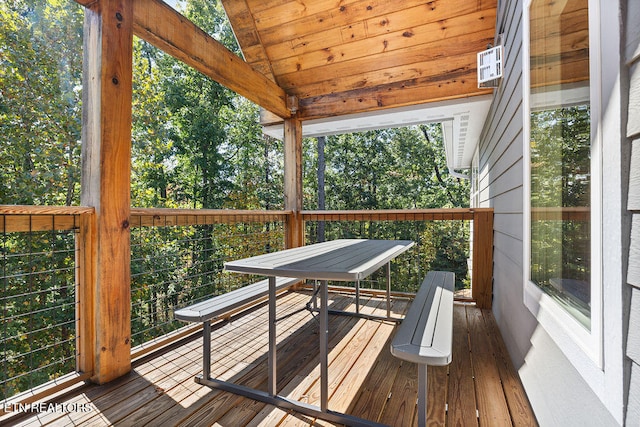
[572,256]
[562,236]
[559,150]
[560,249]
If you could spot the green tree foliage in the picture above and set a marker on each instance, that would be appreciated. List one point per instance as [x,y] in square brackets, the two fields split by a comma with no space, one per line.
[153,133]
[195,143]
[399,168]
[40,101]
[257,160]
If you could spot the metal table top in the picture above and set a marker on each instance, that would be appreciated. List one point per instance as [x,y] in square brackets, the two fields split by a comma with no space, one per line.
[342,260]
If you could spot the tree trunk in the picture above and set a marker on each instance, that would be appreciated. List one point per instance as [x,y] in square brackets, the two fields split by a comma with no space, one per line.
[321,195]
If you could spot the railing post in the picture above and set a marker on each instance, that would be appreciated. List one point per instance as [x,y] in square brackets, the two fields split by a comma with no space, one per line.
[294,230]
[85,279]
[293,182]
[482,280]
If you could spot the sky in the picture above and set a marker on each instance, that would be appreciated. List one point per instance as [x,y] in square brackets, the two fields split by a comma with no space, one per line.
[172,3]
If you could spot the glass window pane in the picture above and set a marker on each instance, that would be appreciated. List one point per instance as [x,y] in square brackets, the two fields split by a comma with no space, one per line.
[560,148]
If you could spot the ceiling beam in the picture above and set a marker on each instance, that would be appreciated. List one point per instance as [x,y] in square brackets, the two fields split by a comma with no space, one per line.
[458,83]
[159,24]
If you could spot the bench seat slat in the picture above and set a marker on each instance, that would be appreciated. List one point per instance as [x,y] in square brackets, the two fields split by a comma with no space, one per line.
[214,307]
[425,335]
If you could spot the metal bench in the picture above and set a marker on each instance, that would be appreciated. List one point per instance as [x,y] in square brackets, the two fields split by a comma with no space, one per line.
[426,333]
[220,305]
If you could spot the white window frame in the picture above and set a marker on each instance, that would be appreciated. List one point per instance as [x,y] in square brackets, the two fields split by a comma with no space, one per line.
[583,348]
[597,356]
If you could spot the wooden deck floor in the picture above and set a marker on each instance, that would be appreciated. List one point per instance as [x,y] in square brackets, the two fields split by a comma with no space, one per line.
[480,386]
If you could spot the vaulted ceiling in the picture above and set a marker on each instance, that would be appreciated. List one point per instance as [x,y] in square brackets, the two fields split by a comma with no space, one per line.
[352,56]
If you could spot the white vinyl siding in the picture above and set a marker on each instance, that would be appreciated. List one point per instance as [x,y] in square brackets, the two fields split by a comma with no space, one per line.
[632,58]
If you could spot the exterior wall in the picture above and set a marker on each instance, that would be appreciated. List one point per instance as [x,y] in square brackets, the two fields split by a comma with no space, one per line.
[632,58]
[558,391]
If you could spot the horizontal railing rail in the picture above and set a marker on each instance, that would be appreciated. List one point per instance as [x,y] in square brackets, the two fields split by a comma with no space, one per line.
[20,218]
[391,215]
[150,217]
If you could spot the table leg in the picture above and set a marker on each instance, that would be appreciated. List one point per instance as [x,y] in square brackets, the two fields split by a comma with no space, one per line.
[273,390]
[422,395]
[315,294]
[206,349]
[358,296]
[389,290]
[324,345]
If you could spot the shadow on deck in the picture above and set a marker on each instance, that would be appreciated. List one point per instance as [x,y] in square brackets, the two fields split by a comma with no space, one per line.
[479,387]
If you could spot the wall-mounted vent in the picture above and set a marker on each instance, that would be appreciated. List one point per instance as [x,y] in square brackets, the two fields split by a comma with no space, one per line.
[490,68]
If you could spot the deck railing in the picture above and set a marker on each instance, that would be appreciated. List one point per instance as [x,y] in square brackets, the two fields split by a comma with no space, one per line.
[39,295]
[176,258]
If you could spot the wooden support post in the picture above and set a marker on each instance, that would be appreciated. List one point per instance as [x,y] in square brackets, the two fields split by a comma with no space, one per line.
[482,280]
[294,235]
[106,157]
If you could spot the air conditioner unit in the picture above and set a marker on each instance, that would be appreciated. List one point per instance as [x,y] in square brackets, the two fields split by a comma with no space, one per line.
[490,67]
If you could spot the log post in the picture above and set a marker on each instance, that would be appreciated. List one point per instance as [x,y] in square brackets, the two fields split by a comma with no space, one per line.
[294,235]
[106,157]
[482,280]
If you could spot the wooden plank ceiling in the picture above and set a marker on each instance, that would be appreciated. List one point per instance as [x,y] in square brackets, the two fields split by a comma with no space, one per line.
[350,56]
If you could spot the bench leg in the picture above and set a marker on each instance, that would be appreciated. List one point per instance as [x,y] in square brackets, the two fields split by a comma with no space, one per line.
[389,290]
[324,344]
[272,386]
[206,349]
[422,395]
[315,294]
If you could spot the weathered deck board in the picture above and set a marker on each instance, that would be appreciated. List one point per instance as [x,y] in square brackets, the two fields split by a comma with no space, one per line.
[437,397]
[492,411]
[400,409]
[373,397]
[461,393]
[364,378]
[519,407]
